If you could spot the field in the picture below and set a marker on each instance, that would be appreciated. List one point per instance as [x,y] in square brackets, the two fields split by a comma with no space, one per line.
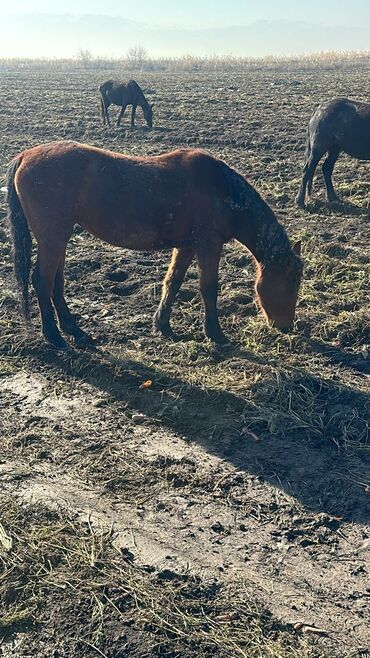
[176,499]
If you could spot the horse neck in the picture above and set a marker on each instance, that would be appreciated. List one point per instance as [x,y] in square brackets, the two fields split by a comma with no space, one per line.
[142,101]
[258,229]
[252,221]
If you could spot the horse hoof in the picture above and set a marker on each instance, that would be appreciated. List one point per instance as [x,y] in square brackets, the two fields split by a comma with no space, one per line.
[219,339]
[163,330]
[300,203]
[85,342]
[57,342]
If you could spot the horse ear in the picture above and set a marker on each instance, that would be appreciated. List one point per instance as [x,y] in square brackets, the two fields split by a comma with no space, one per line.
[297,247]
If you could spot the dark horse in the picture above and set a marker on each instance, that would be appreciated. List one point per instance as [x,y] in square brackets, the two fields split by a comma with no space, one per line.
[186,200]
[123,94]
[339,125]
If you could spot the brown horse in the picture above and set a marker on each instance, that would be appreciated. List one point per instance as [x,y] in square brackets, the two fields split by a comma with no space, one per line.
[339,125]
[123,94]
[186,200]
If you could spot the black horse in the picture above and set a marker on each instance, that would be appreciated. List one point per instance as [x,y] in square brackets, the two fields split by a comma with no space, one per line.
[123,94]
[341,124]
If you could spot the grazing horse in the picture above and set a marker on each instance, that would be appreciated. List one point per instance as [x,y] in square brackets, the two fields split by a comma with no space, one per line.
[186,200]
[123,94]
[339,125]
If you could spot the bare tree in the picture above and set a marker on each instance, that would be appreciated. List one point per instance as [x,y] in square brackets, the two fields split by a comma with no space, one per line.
[136,57]
[85,57]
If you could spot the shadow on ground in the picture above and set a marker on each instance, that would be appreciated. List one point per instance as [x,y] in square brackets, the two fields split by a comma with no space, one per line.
[340,207]
[297,433]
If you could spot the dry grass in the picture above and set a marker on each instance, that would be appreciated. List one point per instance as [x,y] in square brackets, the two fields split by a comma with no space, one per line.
[48,561]
[337,60]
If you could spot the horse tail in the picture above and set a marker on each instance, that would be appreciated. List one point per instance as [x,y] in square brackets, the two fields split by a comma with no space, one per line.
[307,156]
[102,109]
[21,238]
[308,144]
[104,88]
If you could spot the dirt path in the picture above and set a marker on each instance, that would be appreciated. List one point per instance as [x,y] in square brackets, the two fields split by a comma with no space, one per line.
[197,512]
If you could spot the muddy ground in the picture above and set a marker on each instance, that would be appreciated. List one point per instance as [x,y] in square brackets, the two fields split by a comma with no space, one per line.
[174,498]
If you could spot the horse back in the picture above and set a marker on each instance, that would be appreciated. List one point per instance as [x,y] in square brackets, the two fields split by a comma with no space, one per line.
[122,93]
[143,203]
[343,123]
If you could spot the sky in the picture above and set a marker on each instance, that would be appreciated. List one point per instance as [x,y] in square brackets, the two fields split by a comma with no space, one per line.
[205,13]
[63,28]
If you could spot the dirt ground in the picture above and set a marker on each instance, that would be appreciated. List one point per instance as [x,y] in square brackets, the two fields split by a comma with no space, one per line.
[174,498]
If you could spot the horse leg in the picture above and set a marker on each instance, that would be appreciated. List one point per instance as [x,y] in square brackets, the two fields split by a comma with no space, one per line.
[67,321]
[181,259]
[308,173]
[208,263]
[133,112]
[327,170]
[43,278]
[121,113]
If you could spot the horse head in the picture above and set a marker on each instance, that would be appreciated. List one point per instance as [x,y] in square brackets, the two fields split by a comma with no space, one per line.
[148,114]
[277,286]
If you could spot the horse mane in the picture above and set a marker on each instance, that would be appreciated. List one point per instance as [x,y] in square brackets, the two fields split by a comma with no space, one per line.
[139,91]
[271,241]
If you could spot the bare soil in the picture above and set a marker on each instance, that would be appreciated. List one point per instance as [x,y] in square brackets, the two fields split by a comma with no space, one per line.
[173,498]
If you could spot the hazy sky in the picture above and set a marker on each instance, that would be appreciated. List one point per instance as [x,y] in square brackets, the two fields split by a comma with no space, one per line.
[62,28]
[206,13]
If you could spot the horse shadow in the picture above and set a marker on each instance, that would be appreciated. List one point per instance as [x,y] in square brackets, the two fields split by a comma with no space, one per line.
[340,357]
[162,129]
[340,207]
[252,433]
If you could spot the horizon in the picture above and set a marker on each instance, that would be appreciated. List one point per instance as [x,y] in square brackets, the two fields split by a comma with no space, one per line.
[88,56]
